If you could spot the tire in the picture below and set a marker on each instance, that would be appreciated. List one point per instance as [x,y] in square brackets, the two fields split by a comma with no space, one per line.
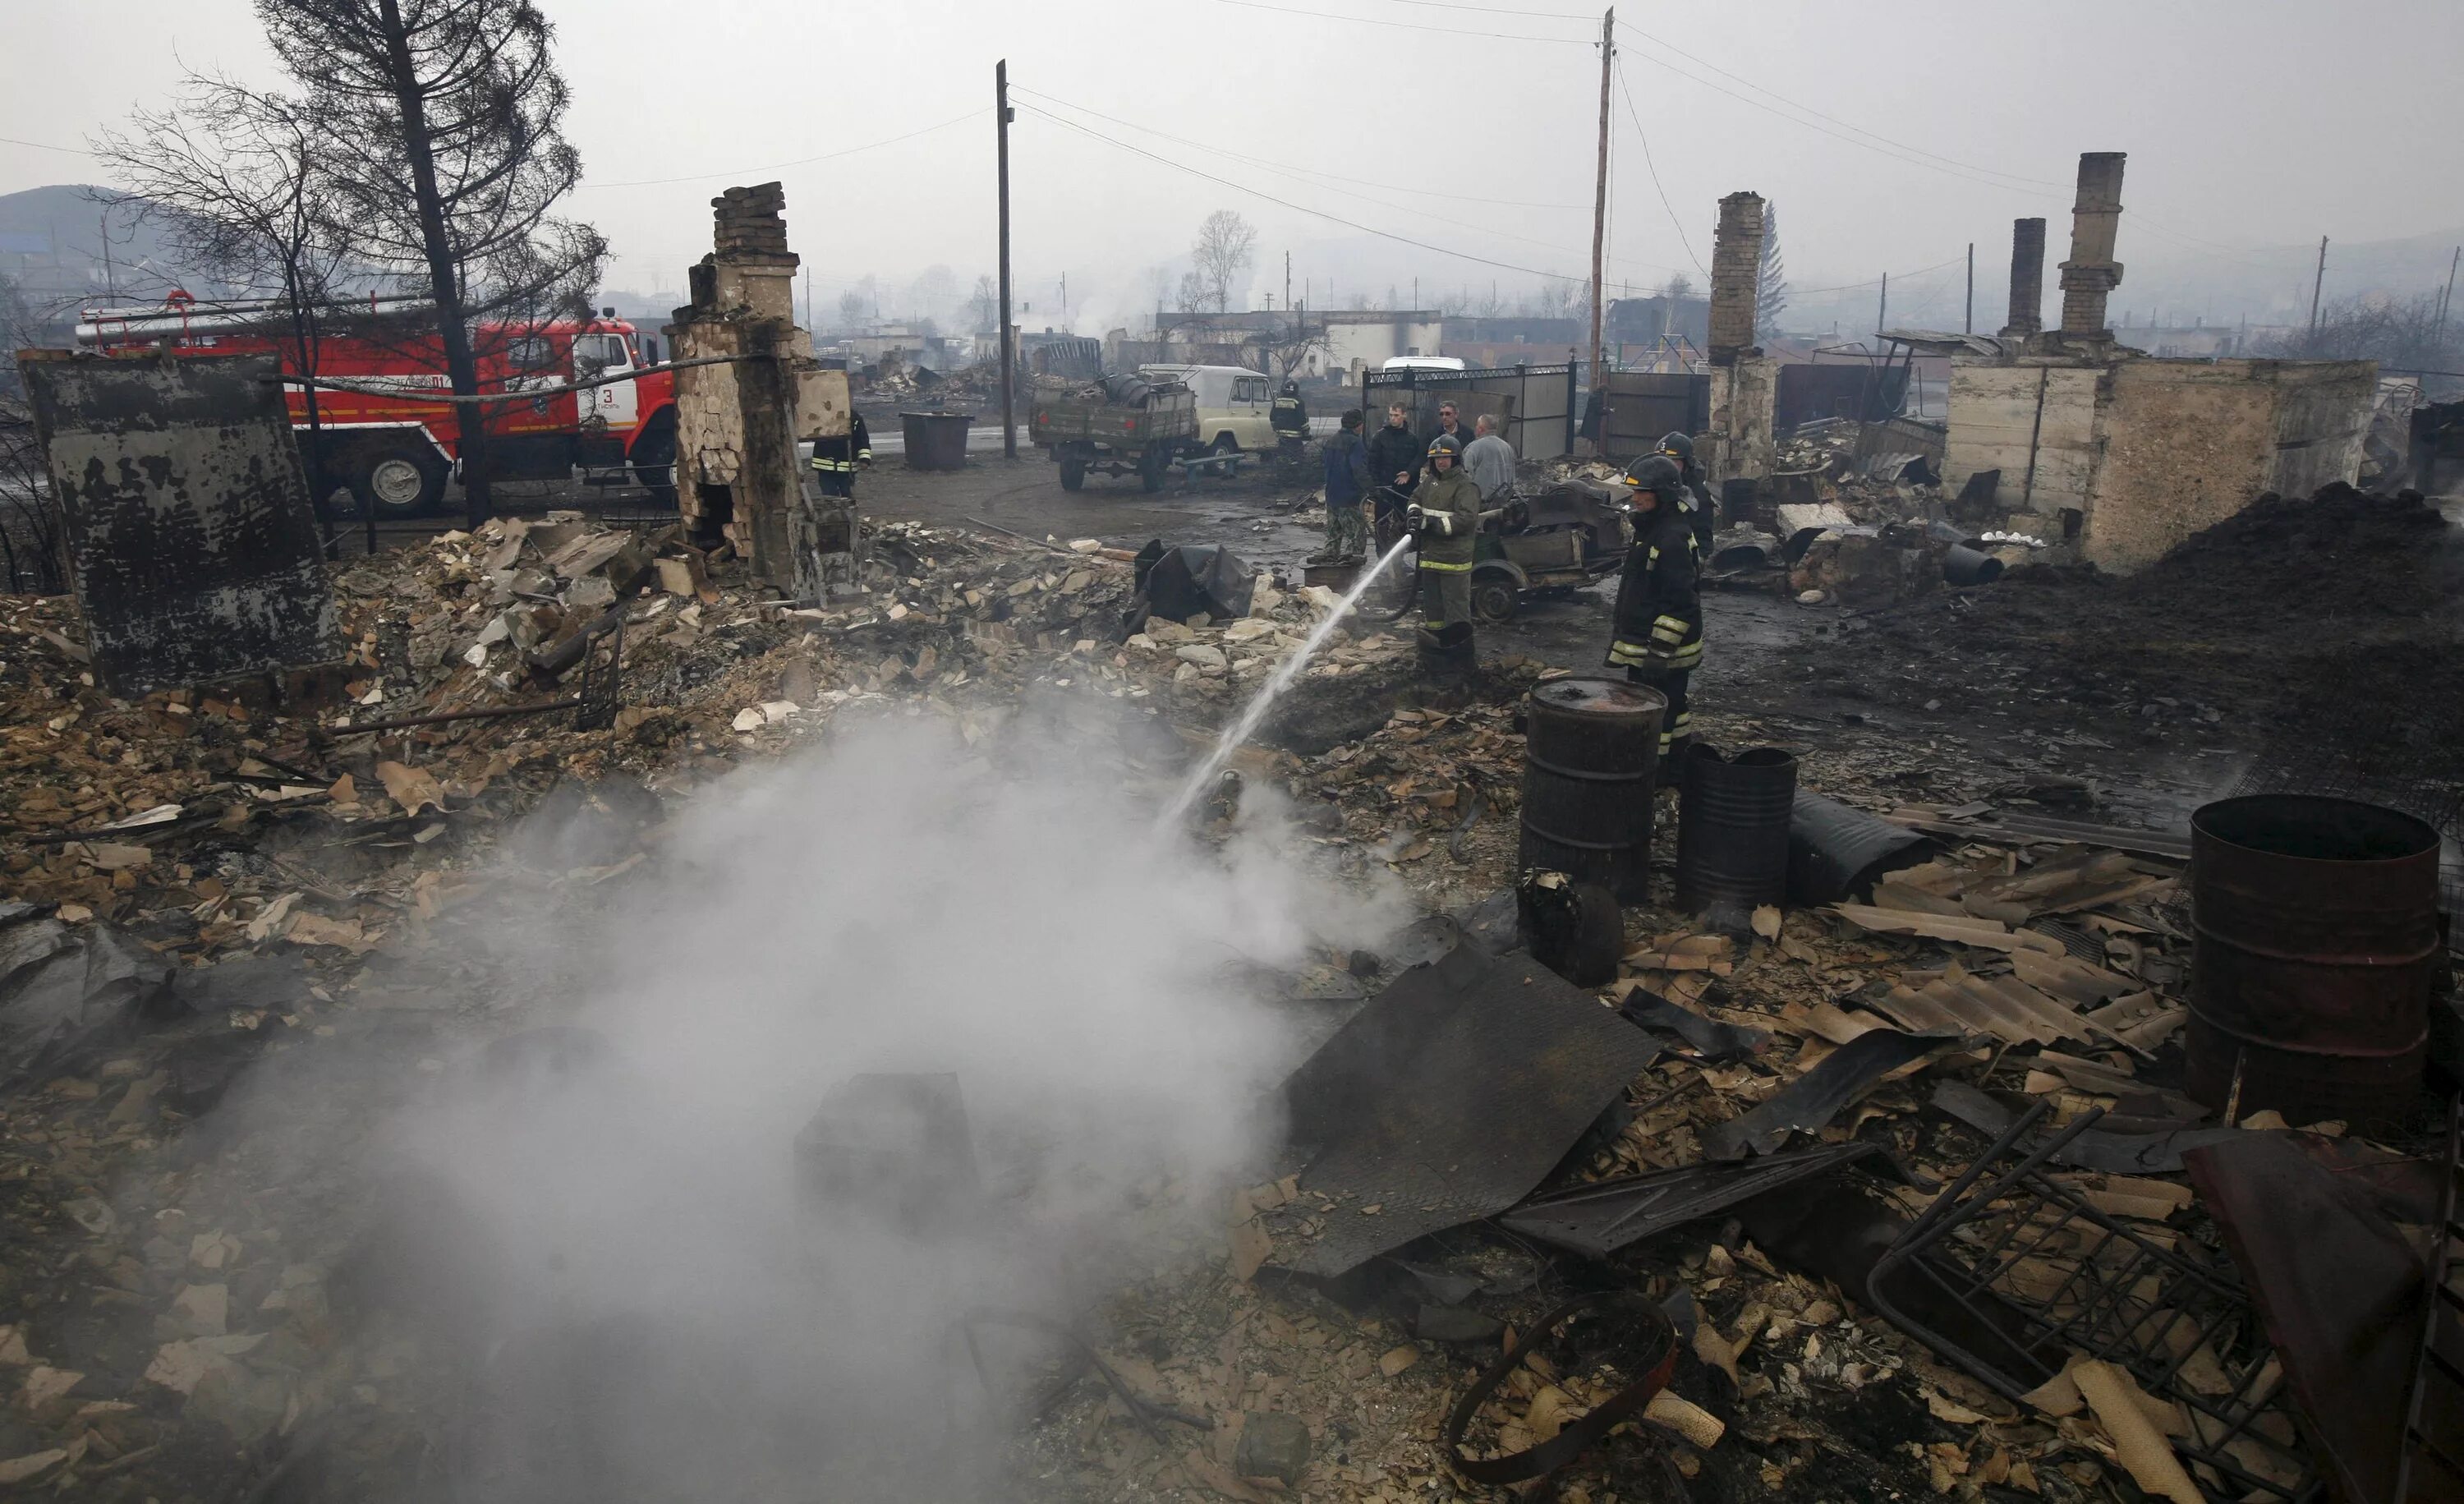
[398,477]
[1494,596]
[655,458]
[1154,467]
[1073,471]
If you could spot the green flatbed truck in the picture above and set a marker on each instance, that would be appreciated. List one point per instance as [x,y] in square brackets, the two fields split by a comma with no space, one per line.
[1116,425]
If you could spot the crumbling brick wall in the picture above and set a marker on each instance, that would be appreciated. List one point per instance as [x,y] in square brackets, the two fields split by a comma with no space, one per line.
[738,478]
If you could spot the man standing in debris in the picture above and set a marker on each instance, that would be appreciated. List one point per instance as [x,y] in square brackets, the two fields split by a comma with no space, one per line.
[1347,482]
[1395,463]
[1450,426]
[1679,447]
[836,460]
[1289,415]
[1489,461]
[1444,515]
[1658,633]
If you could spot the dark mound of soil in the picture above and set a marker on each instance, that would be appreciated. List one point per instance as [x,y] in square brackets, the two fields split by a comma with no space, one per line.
[2333,621]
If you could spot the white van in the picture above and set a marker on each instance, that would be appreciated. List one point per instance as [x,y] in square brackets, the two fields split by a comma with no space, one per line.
[1235,407]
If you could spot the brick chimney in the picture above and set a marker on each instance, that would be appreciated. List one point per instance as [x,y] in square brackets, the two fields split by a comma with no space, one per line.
[2026,279]
[1736,277]
[2092,272]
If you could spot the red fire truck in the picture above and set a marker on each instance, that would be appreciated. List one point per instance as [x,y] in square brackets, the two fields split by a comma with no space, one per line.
[395,451]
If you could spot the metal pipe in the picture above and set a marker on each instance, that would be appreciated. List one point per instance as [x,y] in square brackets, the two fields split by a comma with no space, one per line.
[405,722]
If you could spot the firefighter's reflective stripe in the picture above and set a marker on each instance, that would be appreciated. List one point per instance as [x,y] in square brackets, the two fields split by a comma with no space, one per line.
[834,465]
[1445,568]
[1668,631]
[1626,655]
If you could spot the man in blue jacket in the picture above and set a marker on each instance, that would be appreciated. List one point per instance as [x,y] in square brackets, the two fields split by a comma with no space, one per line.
[1347,482]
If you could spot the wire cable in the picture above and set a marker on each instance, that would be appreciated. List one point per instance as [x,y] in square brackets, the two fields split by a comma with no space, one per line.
[1347,223]
[1302,173]
[1833,118]
[826,155]
[1850,287]
[1673,221]
[74,151]
[1443,31]
[1322,213]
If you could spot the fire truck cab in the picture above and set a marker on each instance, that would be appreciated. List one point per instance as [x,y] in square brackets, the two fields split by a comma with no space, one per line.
[389,443]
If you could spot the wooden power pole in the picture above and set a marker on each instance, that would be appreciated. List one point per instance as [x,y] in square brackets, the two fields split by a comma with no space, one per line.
[1008,332]
[1600,187]
[1967,325]
[2317,283]
[2448,298]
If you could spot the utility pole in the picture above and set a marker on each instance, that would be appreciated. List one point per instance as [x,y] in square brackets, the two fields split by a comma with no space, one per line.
[1883,313]
[2316,283]
[2446,298]
[1008,333]
[808,297]
[1287,281]
[1065,300]
[1601,183]
[1967,325]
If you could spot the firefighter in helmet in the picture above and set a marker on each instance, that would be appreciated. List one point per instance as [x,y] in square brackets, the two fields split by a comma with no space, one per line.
[836,460]
[1289,415]
[1657,634]
[1444,516]
[1679,447]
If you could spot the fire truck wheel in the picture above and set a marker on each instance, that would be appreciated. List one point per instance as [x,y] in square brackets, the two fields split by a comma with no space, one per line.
[398,477]
[655,459]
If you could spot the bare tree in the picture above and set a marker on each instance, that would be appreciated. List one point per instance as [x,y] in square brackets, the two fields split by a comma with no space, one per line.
[1192,292]
[2406,334]
[34,548]
[232,176]
[1770,279]
[1226,248]
[439,125]
[1288,348]
[1679,285]
[983,305]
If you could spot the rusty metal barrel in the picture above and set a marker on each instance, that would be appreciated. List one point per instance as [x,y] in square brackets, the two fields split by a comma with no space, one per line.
[1590,749]
[2316,925]
[1732,816]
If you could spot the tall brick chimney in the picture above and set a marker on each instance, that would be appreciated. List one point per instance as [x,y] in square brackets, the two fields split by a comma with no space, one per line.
[2092,272]
[2026,279]
[1736,277]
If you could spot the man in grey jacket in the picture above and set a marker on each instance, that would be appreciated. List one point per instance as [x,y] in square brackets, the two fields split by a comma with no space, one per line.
[1489,461]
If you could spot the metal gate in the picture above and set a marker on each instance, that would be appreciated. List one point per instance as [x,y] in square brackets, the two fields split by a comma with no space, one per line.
[1535,402]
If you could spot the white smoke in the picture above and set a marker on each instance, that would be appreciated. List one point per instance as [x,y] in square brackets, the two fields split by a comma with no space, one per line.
[660,1311]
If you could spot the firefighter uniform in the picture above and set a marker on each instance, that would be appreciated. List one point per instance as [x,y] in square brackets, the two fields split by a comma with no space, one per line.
[836,460]
[1290,416]
[1658,635]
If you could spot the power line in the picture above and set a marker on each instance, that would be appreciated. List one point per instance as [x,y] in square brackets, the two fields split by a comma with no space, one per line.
[1850,287]
[1444,30]
[74,151]
[1673,221]
[1303,173]
[1833,118]
[1886,151]
[1490,10]
[1399,207]
[828,156]
[1347,223]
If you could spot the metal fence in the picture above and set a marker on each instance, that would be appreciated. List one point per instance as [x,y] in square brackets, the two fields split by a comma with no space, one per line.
[1535,403]
[1641,406]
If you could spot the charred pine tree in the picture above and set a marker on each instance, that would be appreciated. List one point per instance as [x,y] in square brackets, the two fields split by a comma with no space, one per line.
[440,129]
[231,175]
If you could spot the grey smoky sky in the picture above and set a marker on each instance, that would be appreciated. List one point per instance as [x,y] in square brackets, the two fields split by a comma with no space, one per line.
[2254,126]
